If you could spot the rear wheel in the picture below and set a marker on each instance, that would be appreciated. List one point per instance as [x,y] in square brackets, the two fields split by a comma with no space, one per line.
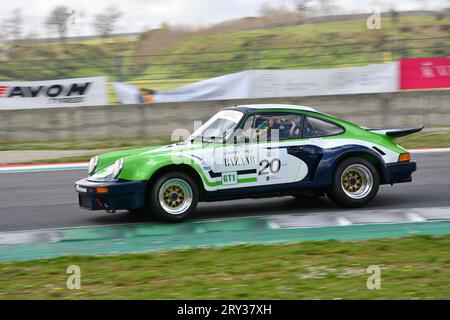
[355,183]
[173,197]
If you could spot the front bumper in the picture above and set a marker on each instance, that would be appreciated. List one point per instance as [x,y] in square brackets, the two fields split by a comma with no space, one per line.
[399,172]
[121,195]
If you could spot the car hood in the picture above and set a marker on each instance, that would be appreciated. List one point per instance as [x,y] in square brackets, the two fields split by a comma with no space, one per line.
[108,159]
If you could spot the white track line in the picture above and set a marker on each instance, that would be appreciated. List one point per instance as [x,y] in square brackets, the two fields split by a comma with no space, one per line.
[414,217]
[343,221]
[43,167]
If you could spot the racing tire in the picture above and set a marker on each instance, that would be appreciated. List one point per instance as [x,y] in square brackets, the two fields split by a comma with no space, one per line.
[355,183]
[173,197]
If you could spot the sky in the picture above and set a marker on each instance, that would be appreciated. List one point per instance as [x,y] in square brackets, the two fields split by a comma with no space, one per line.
[139,15]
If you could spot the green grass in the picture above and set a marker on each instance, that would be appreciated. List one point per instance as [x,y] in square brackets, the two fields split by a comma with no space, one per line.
[438,137]
[311,47]
[108,143]
[411,268]
[429,138]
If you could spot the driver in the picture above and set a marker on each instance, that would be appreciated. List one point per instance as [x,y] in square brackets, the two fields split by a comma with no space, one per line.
[268,129]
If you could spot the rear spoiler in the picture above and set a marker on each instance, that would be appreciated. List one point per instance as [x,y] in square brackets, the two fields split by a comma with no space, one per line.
[397,132]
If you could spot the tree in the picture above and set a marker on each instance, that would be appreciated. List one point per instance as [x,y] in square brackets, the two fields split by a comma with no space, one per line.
[302,6]
[58,20]
[105,23]
[12,27]
[4,46]
[394,15]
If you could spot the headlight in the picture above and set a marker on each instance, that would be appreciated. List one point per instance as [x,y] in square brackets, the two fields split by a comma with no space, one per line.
[93,165]
[118,165]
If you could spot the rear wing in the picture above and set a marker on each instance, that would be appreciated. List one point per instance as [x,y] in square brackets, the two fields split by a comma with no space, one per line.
[397,132]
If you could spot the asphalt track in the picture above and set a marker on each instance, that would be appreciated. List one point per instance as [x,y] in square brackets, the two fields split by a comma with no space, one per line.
[45,200]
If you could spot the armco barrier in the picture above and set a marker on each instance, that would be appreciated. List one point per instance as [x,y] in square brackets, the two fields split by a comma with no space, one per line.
[431,108]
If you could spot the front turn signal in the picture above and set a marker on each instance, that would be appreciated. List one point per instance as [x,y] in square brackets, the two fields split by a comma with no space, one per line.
[404,157]
[102,189]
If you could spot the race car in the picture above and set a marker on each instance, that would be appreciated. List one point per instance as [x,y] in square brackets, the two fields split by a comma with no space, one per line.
[250,151]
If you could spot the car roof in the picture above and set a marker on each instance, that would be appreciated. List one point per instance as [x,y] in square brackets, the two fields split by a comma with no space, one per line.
[253,107]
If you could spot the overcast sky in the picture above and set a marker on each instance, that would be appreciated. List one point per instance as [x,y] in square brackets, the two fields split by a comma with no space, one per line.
[145,14]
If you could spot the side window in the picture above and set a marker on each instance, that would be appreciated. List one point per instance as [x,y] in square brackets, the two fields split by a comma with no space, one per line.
[246,131]
[272,127]
[314,127]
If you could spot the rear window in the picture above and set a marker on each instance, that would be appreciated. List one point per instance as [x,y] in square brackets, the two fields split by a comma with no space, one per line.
[314,127]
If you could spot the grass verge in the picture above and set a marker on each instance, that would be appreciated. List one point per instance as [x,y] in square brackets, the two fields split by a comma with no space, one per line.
[109,143]
[411,268]
[435,137]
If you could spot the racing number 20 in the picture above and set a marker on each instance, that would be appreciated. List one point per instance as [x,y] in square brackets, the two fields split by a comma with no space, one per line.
[270,167]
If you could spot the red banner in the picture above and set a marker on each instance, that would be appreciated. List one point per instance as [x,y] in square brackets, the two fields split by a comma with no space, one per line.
[424,73]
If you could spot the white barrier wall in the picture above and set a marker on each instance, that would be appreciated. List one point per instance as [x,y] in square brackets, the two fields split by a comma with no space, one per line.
[374,110]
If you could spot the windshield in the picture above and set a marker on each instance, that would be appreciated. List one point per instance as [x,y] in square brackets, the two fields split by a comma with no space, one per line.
[220,126]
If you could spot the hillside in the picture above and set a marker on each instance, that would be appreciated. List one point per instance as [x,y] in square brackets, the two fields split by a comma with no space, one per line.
[167,58]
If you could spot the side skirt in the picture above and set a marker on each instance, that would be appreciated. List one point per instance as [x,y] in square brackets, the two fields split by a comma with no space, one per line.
[262,191]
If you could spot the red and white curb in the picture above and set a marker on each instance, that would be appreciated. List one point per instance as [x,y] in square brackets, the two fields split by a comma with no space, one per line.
[429,150]
[44,167]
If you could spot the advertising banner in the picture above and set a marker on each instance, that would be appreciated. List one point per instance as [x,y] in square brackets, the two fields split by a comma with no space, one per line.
[227,87]
[318,82]
[53,93]
[276,83]
[127,93]
[424,73]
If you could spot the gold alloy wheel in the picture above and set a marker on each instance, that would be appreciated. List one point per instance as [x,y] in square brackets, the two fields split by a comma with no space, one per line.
[352,181]
[357,181]
[175,196]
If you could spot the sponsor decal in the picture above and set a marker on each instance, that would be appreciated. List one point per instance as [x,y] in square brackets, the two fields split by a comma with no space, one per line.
[239,160]
[51,93]
[424,73]
[229,178]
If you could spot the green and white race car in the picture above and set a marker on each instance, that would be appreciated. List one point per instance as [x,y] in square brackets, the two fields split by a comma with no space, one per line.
[250,151]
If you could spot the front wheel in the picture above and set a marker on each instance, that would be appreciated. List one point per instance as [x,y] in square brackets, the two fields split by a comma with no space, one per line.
[173,197]
[355,183]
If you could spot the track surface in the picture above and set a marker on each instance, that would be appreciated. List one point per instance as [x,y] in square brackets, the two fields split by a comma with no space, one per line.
[48,200]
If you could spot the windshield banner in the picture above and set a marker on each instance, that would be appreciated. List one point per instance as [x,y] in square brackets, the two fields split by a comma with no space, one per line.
[53,93]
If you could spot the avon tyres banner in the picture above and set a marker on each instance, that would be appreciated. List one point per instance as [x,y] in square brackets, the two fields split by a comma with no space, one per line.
[53,93]
[424,73]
